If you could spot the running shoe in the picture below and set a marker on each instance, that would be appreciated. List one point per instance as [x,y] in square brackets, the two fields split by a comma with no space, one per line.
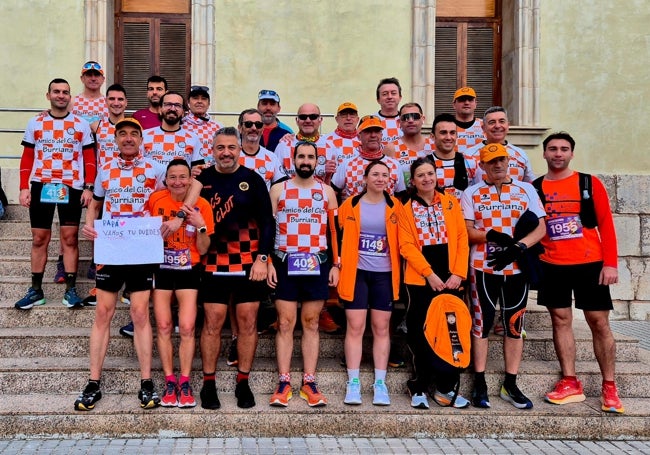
[309,392]
[59,275]
[148,397]
[88,398]
[91,300]
[444,399]
[92,271]
[480,399]
[170,395]
[353,392]
[395,360]
[380,397]
[282,395]
[209,396]
[244,395]
[127,330]
[71,299]
[232,359]
[419,401]
[610,400]
[186,396]
[326,323]
[566,391]
[514,396]
[126,297]
[402,326]
[33,297]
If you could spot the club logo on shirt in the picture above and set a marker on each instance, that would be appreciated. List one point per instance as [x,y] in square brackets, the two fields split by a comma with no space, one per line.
[181,144]
[261,170]
[140,178]
[70,131]
[317,197]
[321,160]
[244,186]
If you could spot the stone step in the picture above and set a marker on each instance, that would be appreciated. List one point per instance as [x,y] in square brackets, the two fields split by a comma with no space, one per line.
[119,415]
[15,212]
[21,246]
[21,228]
[20,266]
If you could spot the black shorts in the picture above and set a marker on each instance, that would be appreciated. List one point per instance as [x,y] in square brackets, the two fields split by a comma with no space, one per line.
[225,289]
[172,280]
[110,278]
[301,288]
[372,290]
[41,214]
[559,282]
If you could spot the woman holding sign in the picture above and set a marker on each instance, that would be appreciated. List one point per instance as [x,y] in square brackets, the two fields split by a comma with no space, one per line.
[369,279]
[433,241]
[179,275]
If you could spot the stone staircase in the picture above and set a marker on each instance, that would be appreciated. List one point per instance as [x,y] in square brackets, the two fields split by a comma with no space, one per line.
[44,365]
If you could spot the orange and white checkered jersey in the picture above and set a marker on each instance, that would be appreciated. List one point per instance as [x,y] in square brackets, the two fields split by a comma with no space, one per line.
[90,110]
[265,163]
[349,176]
[392,131]
[301,218]
[445,172]
[126,188]
[405,156]
[284,152]
[58,148]
[468,138]
[519,167]
[429,222]
[482,204]
[106,145]
[343,148]
[163,146]
[204,130]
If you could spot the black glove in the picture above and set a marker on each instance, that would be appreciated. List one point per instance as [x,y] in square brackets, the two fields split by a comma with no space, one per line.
[499,260]
[500,238]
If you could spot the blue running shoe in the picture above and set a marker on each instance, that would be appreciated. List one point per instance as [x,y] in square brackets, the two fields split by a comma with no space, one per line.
[71,299]
[127,330]
[33,297]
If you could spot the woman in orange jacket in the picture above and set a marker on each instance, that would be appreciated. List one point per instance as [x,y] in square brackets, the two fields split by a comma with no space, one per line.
[369,278]
[433,241]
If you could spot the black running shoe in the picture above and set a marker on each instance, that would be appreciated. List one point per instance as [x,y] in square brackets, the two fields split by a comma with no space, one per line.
[514,396]
[88,398]
[245,398]
[149,398]
[209,397]
[232,359]
[480,398]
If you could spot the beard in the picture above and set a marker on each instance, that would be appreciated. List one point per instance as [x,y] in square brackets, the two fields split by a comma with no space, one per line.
[172,119]
[304,173]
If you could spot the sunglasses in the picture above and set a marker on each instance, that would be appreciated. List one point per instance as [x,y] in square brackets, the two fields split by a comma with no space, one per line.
[304,117]
[249,124]
[268,92]
[411,116]
[92,66]
[199,87]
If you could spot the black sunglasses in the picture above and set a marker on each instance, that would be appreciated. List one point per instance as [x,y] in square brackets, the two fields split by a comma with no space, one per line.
[199,87]
[308,116]
[411,116]
[249,124]
[268,92]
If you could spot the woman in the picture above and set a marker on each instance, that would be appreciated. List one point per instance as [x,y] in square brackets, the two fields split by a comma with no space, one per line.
[179,275]
[369,277]
[433,241]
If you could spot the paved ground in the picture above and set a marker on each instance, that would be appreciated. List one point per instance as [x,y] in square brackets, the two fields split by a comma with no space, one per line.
[316,446]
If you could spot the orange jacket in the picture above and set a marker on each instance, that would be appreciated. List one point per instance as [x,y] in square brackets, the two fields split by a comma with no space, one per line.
[349,220]
[417,267]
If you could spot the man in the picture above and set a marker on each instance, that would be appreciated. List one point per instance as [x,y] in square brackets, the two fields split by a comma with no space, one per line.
[268,103]
[469,128]
[170,140]
[198,120]
[58,163]
[580,257]
[412,144]
[496,127]
[453,169]
[344,141]
[389,95]
[236,263]
[492,209]
[149,117]
[303,267]
[308,120]
[348,179]
[91,104]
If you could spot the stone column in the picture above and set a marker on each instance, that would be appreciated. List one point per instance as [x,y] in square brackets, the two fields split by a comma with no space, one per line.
[423,54]
[203,43]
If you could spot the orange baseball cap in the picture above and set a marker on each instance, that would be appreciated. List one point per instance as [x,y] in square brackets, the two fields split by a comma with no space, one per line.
[464,91]
[369,121]
[128,121]
[347,105]
[492,151]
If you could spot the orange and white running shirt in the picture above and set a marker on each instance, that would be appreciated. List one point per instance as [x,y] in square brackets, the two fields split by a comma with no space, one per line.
[58,148]
[468,138]
[519,167]
[343,148]
[405,156]
[265,163]
[349,176]
[125,187]
[429,222]
[301,218]
[482,204]
[163,146]
[90,110]
[391,128]
[284,151]
[446,172]
[204,130]
[106,145]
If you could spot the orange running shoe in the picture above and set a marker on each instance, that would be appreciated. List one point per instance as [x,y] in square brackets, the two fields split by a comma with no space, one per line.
[327,324]
[610,400]
[566,391]
[282,395]
[309,391]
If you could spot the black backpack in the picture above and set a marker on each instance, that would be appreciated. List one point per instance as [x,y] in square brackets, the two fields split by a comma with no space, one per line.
[587,207]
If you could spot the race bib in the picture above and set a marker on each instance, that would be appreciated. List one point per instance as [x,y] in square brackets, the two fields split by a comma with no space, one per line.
[176,259]
[373,244]
[55,193]
[492,248]
[564,227]
[302,264]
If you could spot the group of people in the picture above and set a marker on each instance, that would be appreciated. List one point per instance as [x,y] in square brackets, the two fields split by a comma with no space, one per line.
[376,209]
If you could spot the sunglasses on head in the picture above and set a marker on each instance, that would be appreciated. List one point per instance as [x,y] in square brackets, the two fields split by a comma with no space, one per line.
[268,92]
[249,124]
[92,66]
[199,87]
[410,116]
[308,116]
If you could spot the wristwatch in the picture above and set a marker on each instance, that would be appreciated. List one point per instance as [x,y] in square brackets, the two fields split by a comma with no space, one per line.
[202,229]
[89,186]
[263,257]
[522,246]
[180,214]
